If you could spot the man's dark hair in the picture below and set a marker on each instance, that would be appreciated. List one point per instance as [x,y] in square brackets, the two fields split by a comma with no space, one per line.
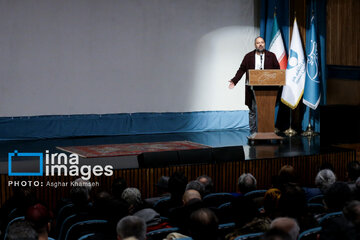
[292,202]
[196,185]
[203,224]
[336,196]
[131,226]
[118,186]
[353,169]
[208,183]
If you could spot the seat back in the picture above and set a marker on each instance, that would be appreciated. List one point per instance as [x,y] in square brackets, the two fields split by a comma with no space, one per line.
[79,229]
[316,199]
[316,208]
[225,229]
[329,216]
[256,193]
[310,234]
[217,199]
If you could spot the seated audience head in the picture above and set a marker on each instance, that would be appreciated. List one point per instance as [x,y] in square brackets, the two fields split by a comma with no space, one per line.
[110,208]
[353,170]
[21,230]
[336,196]
[287,174]
[177,185]
[196,185]
[131,227]
[288,225]
[208,183]
[352,212]
[80,192]
[133,197]
[40,219]
[162,185]
[203,225]
[118,186]
[246,183]
[325,178]
[276,234]
[271,201]
[190,195]
[293,202]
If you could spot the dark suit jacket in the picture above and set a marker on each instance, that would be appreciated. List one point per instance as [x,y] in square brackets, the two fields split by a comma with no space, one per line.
[249,63]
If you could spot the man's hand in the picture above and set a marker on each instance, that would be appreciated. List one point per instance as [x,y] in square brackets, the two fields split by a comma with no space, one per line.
[231,85]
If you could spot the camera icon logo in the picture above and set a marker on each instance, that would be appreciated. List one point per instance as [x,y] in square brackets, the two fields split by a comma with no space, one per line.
[25,164]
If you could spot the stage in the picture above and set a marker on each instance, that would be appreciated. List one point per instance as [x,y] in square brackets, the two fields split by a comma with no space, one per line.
[290,146]
[262,159]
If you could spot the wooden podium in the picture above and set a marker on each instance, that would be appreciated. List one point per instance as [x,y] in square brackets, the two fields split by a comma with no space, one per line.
[266,85]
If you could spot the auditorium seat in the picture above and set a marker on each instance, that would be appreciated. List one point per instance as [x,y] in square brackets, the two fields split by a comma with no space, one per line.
[216,199]
[310,234]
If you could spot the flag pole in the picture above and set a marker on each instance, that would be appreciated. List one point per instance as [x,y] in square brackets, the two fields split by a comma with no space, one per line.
[290,132]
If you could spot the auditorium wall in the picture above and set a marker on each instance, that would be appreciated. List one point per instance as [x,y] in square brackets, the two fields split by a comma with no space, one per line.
[97,57]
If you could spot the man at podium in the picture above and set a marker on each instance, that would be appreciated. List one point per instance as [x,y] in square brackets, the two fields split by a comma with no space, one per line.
[257,59]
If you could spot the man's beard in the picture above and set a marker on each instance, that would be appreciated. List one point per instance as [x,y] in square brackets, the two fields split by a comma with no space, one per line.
[260,50]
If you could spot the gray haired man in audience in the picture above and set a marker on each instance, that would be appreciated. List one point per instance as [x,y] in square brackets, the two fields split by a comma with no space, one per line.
[131,227]
[246,183]
[288,225]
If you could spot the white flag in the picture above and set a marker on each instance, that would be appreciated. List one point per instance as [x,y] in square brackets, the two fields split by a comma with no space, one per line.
[295,71]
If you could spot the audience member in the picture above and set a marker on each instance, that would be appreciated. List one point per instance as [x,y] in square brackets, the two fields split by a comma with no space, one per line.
[16,206]
[133,198]
[271,203]
[177,185]
[323,180]
[336,196]
[21,230]
[246,183]
[80,193]
[196,185]
[357,190]
[288,225]
[245,212]
[287,174]
[131,227]
[204,225]
[40,219]
[293,204]
[162,191]
[352,214]
[180,216]
[118,186]
[109,208]
[353,172]
[207,182]
[338,227]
